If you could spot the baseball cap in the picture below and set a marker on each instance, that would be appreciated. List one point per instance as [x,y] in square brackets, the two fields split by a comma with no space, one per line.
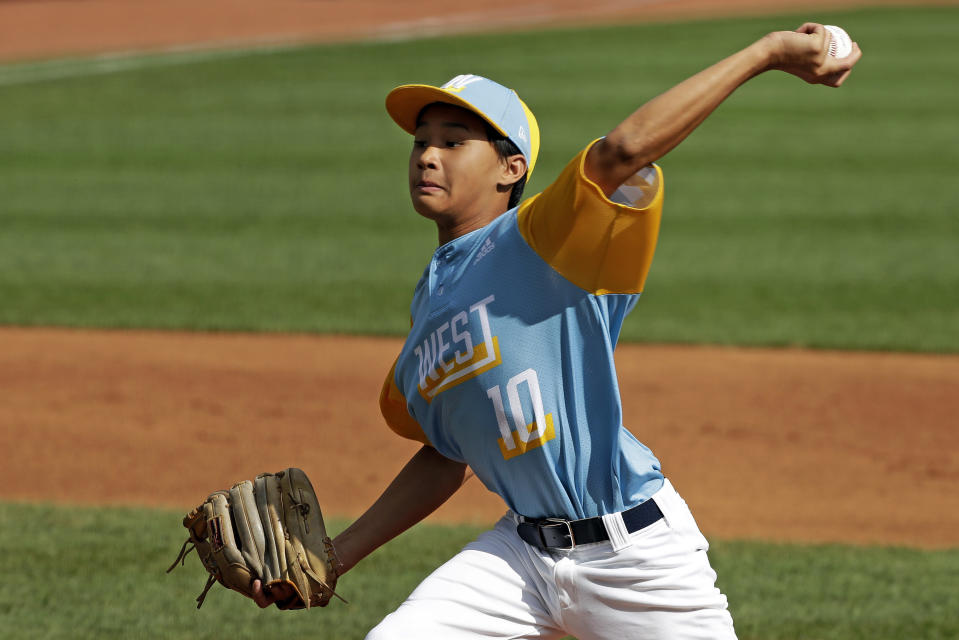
[499,106]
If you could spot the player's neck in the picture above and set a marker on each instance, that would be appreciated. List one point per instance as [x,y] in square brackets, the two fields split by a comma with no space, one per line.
[450,229]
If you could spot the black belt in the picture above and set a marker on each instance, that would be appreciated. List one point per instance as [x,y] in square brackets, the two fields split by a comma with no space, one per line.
[555,533]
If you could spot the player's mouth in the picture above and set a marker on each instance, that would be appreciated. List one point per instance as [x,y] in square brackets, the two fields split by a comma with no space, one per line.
[427,186]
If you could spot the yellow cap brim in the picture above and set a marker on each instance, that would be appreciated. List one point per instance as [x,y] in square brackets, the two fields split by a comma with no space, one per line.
[405,102]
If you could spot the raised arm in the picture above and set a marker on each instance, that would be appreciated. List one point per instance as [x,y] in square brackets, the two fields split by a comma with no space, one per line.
[663,122]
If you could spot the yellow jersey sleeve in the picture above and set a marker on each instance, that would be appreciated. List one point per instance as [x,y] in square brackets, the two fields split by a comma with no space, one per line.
[602,245]
[397,416]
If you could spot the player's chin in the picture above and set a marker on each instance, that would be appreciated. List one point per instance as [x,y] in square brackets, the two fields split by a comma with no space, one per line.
[430,205]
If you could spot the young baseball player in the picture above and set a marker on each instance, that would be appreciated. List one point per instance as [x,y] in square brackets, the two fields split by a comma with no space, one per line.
[508,369]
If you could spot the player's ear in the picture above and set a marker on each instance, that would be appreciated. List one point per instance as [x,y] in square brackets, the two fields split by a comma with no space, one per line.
[513,168]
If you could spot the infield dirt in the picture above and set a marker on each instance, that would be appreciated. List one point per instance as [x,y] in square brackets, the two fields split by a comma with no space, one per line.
[764,444]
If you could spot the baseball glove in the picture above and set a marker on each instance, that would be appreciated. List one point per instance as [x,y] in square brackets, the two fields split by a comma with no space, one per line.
[270,529]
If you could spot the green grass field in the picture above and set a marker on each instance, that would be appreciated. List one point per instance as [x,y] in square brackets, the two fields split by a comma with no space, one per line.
[267,191]
[75,573]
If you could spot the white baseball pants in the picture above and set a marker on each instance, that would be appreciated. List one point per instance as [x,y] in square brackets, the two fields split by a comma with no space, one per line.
[655,583]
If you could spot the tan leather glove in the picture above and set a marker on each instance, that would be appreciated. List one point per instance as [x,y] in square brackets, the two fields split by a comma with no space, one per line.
[270,529]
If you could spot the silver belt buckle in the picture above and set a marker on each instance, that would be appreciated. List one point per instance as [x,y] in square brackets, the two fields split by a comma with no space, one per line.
[569,529]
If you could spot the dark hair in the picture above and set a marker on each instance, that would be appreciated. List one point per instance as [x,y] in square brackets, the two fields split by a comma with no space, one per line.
[504,148]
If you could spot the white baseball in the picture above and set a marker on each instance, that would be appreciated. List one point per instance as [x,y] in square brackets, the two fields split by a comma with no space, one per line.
[840,44]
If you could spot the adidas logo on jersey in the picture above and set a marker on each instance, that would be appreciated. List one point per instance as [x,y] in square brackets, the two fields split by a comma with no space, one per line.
[485,250]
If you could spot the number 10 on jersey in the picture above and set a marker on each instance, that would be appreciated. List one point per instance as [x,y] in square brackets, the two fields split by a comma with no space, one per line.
[521,436]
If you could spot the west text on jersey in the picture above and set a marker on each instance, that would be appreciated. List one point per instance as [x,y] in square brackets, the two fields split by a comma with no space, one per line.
[459,349]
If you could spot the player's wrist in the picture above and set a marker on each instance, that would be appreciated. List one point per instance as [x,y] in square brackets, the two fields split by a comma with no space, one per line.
[343,556]
[333,557]
[768,52]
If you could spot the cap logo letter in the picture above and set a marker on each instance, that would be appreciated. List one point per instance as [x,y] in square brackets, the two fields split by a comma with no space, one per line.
[459,83]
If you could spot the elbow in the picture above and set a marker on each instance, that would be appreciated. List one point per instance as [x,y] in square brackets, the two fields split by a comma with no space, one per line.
[612,160]
[627,153]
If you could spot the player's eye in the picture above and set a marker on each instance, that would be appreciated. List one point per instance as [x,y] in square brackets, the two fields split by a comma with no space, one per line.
[419,144]
[453,143]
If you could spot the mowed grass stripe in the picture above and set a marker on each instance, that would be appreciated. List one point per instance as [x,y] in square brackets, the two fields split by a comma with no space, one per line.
[77,573]
[37,71]
[267,192]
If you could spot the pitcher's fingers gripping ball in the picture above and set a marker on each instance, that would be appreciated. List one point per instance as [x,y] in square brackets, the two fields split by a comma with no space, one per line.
[819,54]
[270,530]
[840,44]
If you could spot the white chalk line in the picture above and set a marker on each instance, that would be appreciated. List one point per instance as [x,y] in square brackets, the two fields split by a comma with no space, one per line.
[532,15]
[107,63]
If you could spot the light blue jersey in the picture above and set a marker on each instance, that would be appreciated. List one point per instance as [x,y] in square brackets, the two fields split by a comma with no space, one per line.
[509,363]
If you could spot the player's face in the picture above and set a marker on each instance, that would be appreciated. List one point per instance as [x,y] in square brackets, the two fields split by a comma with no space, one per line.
[455,173]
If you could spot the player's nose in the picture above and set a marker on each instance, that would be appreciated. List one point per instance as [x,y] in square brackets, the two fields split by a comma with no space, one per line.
[428,158]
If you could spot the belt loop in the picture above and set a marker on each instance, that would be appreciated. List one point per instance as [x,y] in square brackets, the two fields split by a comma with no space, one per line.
[618,533]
